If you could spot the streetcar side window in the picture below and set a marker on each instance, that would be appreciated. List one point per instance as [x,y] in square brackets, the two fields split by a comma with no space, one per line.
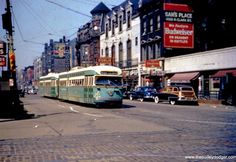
[62,83]
[85,81]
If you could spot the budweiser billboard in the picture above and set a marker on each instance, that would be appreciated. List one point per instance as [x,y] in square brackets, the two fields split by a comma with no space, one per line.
[178,26]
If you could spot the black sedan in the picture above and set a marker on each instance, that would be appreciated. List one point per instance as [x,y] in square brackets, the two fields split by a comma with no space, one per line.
[150,93]
[143,93]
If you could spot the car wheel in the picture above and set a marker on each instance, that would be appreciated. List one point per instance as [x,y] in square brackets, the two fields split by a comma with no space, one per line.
[172,102]
[131,97]
[156,99]
[141,99]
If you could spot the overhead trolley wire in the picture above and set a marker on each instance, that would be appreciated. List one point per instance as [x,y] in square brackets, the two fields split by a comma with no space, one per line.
[91,2]
[21,35]
[67,8]
[40,20]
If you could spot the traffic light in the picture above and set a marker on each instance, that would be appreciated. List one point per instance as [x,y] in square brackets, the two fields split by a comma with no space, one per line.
[6,21]
[12,61]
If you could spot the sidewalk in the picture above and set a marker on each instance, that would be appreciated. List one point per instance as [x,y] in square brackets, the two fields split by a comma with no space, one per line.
[214,102]
[12,107]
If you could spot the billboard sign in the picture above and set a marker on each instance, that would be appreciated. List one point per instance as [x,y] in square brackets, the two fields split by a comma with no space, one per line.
[178,26]
[153,63]
[59,51]
[2,48]
[105,60]
[2,61]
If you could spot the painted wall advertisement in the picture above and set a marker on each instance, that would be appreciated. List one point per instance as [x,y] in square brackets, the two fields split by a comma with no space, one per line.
[178,26]
[59,51]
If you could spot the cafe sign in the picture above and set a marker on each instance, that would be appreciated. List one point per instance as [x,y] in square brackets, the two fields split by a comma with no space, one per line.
[153,63]
[105,60]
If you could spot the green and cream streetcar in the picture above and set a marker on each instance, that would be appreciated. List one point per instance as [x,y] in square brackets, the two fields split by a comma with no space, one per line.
[48,85]
[92,85]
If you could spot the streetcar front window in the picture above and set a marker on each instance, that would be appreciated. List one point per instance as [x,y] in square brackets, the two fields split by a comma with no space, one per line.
[110,81]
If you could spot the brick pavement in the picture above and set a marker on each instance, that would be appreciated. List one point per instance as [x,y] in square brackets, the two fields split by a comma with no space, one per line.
[150,146]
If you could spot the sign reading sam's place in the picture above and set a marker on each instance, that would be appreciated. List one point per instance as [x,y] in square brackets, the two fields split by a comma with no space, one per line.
[178,26]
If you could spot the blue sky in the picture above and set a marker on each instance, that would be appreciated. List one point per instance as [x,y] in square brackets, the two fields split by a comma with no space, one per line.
[38,21]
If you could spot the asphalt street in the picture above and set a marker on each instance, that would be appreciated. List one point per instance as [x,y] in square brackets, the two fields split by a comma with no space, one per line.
[139,131]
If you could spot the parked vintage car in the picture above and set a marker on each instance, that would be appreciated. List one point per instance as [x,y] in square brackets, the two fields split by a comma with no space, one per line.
[32,91]
[171,94]
[143,93]
[177,93]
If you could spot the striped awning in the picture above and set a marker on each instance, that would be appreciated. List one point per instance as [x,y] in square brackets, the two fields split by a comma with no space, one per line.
[184,77]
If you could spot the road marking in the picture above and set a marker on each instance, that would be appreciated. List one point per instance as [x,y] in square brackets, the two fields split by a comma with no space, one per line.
[61,106]
[71,108]
[94,115]
[207,122]
[100,116]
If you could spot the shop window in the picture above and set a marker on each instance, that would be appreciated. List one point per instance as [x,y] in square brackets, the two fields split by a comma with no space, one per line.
[215,84]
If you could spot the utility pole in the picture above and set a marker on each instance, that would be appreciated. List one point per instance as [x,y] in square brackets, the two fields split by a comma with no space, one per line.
[7,25]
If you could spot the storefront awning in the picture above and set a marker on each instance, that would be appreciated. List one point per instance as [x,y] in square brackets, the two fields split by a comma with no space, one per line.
[223,73]
[184,77]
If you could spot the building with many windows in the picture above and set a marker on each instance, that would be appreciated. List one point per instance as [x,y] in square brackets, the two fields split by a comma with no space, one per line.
[180,43]
[88,42]
[156,43]
[56,56]
[37,69]
[73,53]
[120,40]
[167,30]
